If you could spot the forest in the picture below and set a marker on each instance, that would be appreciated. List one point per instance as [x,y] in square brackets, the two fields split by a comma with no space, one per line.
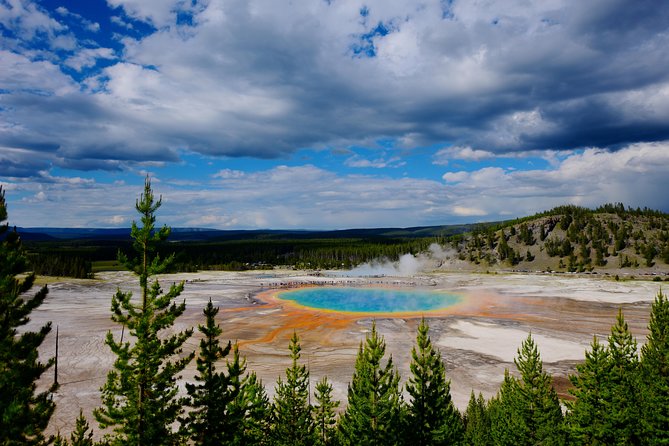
[620,394]
[564,239]
[81,258]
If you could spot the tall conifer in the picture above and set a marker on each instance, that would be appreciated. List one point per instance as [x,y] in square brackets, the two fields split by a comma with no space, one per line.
[324,413]
[228,407]
[586,420]
[292,419]
[655,368]
[24,413]
[140,399]
[432,417]
[477,421]
[507,426]
[82,434]
[622,393]
[210,422]
[542,413]
[528,411]
[374,412]
[254,403]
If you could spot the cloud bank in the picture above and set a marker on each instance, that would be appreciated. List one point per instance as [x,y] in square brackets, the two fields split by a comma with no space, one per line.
[255,78]
[314,198]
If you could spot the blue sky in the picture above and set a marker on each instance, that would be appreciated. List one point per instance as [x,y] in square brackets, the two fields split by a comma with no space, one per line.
[330,114]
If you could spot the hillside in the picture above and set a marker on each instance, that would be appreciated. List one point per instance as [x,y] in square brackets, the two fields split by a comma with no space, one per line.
[610,239]
[573,239]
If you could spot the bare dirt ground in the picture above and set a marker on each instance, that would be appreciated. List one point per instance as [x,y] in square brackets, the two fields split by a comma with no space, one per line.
[478,339]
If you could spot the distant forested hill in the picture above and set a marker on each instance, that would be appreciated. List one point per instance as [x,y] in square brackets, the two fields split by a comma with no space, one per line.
[566,238]
[80,252]
[572,238]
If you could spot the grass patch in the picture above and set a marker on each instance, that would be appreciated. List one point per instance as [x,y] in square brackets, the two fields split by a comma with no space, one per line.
[106,265]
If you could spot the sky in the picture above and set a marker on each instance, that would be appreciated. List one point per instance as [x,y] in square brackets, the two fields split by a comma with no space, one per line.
[330,114]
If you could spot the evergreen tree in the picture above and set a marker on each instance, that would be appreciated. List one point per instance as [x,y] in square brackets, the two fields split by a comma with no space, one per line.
[586,421]
[212,422]
[82,435]
[374,412]
[140,398]
[433,418]
[623,397]
[324,413]
[655,372]
[293,422]
[507,427]
[24,414]
[542,412]
[528,411]
[254,404]
[477,422]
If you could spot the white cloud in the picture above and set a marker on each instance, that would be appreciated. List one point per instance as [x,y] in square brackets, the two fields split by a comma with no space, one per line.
[7,186]
[117,220]
[228,173]
[633,175]
[464,153]
[310,197]
[20,74]
[157,12]
[377,163]
[462,211]
[93,27]
[455,177]
[27,19]
[88,57]
[40,196]
[120,22]
[46,177]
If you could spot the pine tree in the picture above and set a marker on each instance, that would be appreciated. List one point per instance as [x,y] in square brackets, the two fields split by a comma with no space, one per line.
[255,405]
[586,419]
[140,398]
[507,427]
[542,412]
[211,422]
[527,411]
[655,373]
[622,396]
[324,413]
[374,412]
[292,419]
[433,418]
[58,440]
[477,422]
[24,413]
[82,435]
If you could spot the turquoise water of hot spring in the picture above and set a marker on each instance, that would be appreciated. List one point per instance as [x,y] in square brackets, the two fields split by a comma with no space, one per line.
[371,300]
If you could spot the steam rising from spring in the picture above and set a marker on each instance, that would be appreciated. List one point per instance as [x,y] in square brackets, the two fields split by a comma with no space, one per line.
[407,265]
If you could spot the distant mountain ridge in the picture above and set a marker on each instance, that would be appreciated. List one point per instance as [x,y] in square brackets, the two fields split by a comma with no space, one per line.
[208,234]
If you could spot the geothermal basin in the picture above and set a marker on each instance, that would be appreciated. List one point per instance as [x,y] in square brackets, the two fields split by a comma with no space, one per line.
[477,322]
[372,301]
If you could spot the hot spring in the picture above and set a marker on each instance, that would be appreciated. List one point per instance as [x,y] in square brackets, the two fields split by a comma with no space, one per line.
[371,300]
